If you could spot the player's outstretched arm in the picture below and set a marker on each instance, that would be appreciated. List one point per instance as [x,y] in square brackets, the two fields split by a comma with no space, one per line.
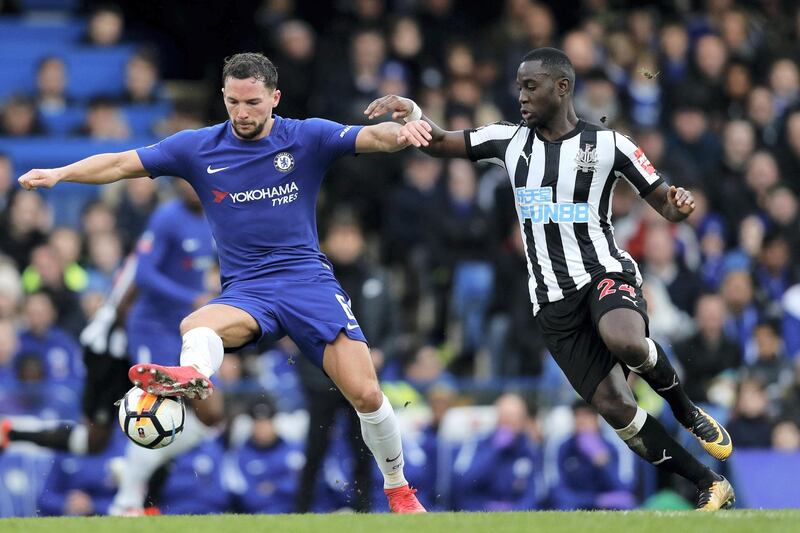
[383,137]
[674,203]
[94,170]
[419,130]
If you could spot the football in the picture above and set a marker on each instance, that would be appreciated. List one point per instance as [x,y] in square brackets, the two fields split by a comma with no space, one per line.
[151,421]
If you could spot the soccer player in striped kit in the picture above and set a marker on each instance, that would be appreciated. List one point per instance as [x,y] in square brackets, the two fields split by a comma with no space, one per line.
[586,291]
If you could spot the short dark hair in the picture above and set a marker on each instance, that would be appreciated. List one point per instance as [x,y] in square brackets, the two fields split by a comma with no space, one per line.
[250,65]
[553,60]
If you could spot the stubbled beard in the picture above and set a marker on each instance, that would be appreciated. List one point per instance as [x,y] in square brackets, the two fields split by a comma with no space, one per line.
[255,133]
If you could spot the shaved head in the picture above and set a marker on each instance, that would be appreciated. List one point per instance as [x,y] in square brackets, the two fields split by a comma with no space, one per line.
[554,61]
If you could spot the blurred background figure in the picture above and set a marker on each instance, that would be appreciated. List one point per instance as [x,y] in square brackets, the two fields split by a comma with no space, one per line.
[588,468]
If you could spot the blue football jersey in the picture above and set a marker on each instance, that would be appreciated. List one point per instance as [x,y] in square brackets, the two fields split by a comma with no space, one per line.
[259,196]
[173,256]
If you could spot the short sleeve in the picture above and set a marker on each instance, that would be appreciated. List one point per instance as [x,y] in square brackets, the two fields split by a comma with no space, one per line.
[334,140]
[488,143]
[631,162]
[165,158]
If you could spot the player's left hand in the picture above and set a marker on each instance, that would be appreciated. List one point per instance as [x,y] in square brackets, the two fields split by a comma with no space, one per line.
[681,199]
[398,106]
[416,132]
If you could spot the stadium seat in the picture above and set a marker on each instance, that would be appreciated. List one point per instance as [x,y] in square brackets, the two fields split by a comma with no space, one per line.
[50,5]
[14,29]
[23,470]
[65,122]
[96,71]
[144,118]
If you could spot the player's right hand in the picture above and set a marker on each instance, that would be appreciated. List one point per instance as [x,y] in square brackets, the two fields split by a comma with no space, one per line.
[39,178]
[398,106]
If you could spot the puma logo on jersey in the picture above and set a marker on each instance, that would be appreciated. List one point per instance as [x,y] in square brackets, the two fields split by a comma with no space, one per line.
[631,300]
[527,158]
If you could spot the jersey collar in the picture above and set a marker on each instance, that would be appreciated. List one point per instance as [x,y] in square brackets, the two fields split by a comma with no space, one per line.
[579,127]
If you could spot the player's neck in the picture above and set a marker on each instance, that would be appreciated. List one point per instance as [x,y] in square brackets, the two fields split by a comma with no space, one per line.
[561,124]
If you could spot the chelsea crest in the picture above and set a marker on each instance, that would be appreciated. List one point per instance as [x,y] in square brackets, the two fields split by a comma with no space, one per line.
[284,162]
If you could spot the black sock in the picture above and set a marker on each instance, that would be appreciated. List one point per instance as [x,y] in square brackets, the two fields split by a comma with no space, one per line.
[56,438]
[655,446]
[664,380]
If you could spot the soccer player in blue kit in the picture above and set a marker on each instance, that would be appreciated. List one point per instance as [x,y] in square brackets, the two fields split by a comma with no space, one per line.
[174,256]
[258,176]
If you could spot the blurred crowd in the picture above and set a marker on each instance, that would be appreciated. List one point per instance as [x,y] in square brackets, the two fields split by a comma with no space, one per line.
[430,250]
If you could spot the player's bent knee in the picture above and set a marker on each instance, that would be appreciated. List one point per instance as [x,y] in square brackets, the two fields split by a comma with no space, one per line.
[628,348]
[617,409]
[368,400]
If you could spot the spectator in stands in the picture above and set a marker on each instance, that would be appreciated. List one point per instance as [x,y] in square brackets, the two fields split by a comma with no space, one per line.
[104,121]
[515,341]
[774,272]
[784,80]
[80,485]
[709,352]
[426,369]
[782,208]
[588,468]
[751,424]
[18,117]
[106,24]
[440,397]
[105,256]
[142,80]
[138,200]
[692,139]
[598,102]
[761,175]
[68,245]
[674,66]
[10,289]
[46,272]
[789,153]
[51,83]
[9,345]
[771,366]
[742,313]
[269,466]
[406,225]
[23,227]
[6,181]
[790,403]
[661,262]
[786,437]
[296,44]
[462,235]
[499,472]
[750,239]
[761,114]
[97,217]
[727,181]
[183,116]
[58,349]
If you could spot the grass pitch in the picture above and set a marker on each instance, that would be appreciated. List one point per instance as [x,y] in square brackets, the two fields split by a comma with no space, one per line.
[744,521]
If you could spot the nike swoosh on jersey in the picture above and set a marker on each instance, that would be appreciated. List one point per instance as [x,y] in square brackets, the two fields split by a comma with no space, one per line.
[215,170]
[395,459]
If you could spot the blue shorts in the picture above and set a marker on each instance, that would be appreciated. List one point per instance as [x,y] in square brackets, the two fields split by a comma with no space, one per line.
[311,311]
[154,342]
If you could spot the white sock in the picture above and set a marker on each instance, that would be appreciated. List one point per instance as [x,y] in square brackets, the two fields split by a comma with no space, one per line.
[382,436]
[140,464]
[202,349]
[78,442]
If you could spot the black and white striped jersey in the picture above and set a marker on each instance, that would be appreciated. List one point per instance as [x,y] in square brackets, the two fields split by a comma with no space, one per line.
[563,191]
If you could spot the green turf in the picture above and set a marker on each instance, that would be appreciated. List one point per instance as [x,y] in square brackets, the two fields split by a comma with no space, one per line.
[546,522]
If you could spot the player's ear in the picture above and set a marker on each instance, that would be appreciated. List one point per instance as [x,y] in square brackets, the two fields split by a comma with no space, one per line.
[276,97]
[563,86]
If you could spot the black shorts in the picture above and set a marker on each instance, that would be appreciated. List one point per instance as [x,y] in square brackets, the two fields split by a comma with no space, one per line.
[106,382]
[569,327]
